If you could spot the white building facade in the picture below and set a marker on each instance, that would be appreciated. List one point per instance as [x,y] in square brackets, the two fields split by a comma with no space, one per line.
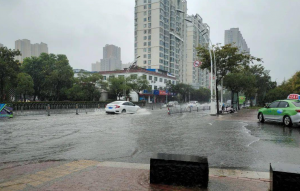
[157,82]
[160,35]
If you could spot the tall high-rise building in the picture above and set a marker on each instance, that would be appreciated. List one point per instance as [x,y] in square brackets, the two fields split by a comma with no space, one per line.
[198,33]
[160,35]
[1,45]
[111,58]
[96,67]
[27,49]
[235,36]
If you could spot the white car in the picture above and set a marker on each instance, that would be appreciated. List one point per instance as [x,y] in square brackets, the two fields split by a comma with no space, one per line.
[193,104]
[121,107]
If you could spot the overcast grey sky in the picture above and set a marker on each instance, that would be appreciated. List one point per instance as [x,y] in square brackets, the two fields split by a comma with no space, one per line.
[80,28]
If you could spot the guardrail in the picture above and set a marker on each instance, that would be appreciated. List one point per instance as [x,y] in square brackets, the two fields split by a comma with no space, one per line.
[186,109]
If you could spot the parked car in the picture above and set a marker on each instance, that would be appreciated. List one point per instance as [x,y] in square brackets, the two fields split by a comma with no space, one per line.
[285,111]
[172,104]
[121,107]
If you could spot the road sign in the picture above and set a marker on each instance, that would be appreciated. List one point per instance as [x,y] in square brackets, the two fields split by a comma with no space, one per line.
[197,63]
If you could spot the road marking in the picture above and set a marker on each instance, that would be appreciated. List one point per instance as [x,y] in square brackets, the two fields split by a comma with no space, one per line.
[47,175]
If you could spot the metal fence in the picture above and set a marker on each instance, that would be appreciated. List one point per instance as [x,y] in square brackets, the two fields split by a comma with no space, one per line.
[48,109]
[186,109]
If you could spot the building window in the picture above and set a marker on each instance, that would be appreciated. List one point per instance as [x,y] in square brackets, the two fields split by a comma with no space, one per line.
[149,6]
[161,61]
[145,12]
[160,79]
[145,1]
[145,19]
[145,55]
[149,61]
[155,79]
[145,7]
[149,56]
[149,50]
[145,43]
[144,76]
[149,12]
[150,77]
[149,37]
[145,37]
[149,19]
[149,43]
[155,87]
[149,1]
[165,80]
[104,77]
[145,62]
[145,49]
[149,25]
[111,76]
[145,25]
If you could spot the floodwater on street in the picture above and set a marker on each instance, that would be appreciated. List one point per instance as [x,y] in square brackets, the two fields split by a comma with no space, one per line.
[137,137]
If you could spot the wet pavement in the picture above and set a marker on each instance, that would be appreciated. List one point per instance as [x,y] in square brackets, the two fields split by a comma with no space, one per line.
[230,141]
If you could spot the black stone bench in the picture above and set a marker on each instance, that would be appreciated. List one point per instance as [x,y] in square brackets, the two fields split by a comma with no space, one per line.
[179,170]
[284,177]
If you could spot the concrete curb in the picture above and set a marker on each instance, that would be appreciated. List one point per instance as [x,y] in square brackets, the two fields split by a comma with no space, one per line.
[213,172]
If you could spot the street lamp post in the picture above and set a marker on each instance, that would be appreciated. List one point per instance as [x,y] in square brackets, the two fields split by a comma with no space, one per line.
[213,109]
[127,71]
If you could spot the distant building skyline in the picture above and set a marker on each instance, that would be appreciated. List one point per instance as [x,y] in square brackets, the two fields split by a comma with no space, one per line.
[235,36]
[96,66]
[27,49]
[111,58]
[1,45]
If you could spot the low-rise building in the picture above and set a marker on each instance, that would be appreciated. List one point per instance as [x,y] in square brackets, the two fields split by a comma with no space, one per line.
[157,79]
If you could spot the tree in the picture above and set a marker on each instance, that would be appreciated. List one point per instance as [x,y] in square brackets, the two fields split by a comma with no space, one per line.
[24,85]
[38,68]
[116,86]
[86,87]
[183,90]
[138,84]
[9,68]
[52,75]
[228,59]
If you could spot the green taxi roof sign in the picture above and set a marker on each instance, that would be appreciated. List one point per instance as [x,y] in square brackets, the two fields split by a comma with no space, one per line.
[294,96]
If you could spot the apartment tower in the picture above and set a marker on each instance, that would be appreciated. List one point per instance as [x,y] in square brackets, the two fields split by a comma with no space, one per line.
[111,58]
[235,36]
[160,35]
[198,33]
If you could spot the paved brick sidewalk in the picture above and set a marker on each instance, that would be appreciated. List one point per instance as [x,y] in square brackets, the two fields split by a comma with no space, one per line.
[93,175]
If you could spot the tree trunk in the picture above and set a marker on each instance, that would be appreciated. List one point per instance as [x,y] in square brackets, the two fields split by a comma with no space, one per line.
[2,90]
[217,97]
[238,101]
[24,97]
[232,96]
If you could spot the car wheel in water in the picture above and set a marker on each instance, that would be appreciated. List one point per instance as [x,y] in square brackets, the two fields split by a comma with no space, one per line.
[287,121]
[261,118]
[123,111]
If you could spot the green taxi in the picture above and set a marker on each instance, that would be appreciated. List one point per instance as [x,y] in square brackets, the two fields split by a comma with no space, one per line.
[286,111]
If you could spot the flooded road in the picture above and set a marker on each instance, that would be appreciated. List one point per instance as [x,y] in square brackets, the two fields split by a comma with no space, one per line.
[137,137]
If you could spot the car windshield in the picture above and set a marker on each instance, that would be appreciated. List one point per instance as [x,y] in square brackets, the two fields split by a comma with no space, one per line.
[297,104]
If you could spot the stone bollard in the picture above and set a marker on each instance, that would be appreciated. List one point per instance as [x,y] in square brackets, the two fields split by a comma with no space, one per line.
[85,109]
[197,109]
[76,109]
[190,109]
[152,105]
[22,109]
[169,111]
[48,109]
[98,106]
[161,106]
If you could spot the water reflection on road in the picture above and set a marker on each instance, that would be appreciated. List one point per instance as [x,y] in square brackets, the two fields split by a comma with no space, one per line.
[137,137]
